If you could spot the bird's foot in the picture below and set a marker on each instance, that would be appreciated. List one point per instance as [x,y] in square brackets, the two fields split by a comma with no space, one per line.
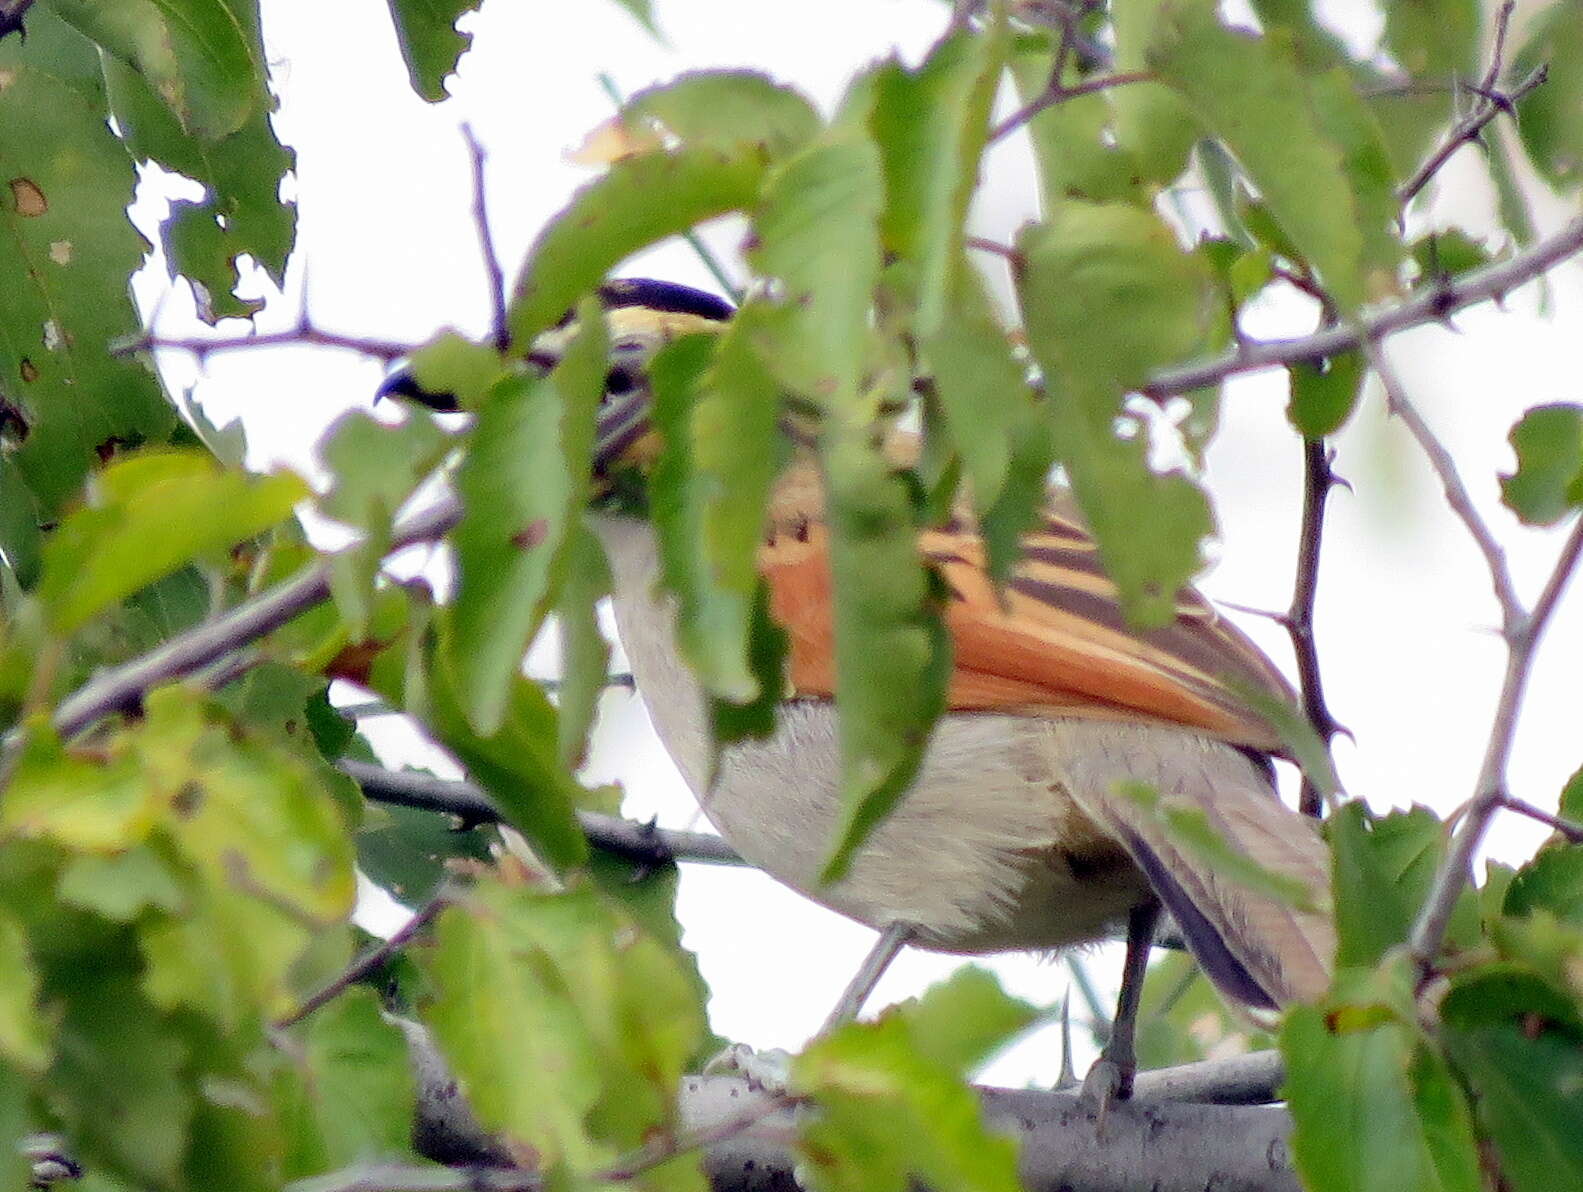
[1107,1082]
[766,1071]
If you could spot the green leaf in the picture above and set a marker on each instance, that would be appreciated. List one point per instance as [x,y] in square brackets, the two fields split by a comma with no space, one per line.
[1073,142]
[241,169]
[156,512]
[1249,93]
[201,57]
[68,251]
[519,764]
[523,485]
[244,806]
[1434,38]
[1548,482]
[377,467]
[430,42]
[405,851]
[452,365]
[15,1125]
[1324,393]
[122,885]
[1553,882]
[1370,1109]
[567,1026]
[1383,869]
[893,1111]
[728,110]
[20,539]
[931,125]
[1152,125]
[24,1041]
[1572,798]
[585,655]
[1549,127]
[643,12]
[964,1020]
[816,237]
[1447,253]
[135,1121]
[360,1080]
[1108,297]
[1345,121]
[716,409]
[85,804]
[892,652]
[637,202]
[1525,1070]
[992,417]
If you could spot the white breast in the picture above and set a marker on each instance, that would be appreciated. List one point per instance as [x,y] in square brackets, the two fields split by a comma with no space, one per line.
[986,852]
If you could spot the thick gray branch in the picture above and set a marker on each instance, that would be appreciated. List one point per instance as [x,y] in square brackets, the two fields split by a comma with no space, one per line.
[1158,1145]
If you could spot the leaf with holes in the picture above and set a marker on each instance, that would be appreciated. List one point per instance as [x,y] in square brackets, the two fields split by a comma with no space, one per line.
[66,400]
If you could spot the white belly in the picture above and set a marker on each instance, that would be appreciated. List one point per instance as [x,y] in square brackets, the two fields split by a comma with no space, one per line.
[985,852]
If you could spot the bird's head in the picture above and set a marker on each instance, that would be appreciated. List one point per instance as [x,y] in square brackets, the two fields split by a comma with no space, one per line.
[642,316]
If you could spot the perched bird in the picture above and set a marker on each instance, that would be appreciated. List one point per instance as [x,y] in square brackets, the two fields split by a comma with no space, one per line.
[1018,831]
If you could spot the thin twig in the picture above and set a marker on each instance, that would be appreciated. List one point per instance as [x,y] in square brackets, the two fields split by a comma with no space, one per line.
[1572,831]
[1521,630]
[368,961]
[486,241]
[303,334]
[1491,102]
[1457,495]
[1318,480]
[1059,93]
[983,244]
[643,843]
[1433,304]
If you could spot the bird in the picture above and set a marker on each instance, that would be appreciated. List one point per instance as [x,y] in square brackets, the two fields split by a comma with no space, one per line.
[1018,832]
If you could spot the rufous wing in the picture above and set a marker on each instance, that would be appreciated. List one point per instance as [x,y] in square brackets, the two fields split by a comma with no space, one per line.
[1053,642]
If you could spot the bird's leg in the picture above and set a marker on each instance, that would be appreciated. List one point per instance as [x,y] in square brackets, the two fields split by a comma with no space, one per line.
[771,1070]
[1110,1079]
[891,941]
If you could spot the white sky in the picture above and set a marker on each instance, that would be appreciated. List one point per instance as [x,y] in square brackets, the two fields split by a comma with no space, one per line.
[387,249]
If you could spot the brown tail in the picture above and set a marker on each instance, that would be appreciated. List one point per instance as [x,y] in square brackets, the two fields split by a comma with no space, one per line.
[1260,951]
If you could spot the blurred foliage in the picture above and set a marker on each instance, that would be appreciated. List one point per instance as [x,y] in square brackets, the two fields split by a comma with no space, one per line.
[178,877]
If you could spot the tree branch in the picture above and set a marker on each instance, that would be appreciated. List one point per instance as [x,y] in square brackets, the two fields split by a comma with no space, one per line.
[368,961]
[1572,831]
[1521,629]
[1434,303]
[1318,480]
[1470,128]
[1181,1147]
[122,687]
[1056,92]
[1251,1079]
[486,241]
[304,333]
[643,843]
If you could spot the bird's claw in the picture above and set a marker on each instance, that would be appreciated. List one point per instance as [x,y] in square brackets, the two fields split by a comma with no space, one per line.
[765,1071]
